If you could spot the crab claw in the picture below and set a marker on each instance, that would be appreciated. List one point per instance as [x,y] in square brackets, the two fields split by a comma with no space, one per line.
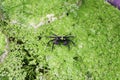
[65,43]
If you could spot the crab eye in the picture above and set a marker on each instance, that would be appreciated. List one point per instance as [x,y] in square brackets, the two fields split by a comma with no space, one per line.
[58,38]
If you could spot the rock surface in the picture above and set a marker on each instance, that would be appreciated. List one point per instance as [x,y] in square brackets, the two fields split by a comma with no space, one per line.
[115,3]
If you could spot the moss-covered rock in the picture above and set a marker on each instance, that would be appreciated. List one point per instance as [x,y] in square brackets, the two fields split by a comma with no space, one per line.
[94,24]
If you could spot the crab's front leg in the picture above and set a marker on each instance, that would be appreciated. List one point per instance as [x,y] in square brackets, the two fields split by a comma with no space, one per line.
[50,41]
[54,41]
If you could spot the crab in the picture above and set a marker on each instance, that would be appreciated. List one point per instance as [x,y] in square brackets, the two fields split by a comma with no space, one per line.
[61,40]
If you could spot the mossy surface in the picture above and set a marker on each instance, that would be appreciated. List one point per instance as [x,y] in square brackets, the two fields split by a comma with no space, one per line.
[95,25]
[2,43]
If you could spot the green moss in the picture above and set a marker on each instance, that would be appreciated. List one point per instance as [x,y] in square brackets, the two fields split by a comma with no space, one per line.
[95,26]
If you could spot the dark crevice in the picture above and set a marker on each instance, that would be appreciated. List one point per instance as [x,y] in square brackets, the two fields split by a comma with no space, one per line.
[11,39]
[39,37]
[19,42]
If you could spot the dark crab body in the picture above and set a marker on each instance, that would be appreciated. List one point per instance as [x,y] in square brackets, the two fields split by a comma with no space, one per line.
[61,40]
[115,3]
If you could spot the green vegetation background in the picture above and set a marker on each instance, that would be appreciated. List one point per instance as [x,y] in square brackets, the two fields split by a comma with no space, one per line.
[95,25]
